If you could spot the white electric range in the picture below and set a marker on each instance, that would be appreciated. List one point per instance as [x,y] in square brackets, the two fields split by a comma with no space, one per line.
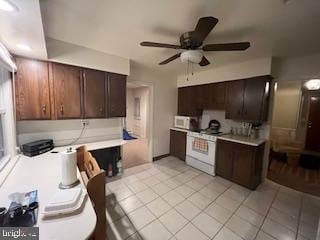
[201,151]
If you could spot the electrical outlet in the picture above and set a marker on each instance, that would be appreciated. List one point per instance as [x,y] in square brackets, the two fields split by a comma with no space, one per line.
[84,123]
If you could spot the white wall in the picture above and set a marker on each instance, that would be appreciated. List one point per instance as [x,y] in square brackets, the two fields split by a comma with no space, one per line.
[256,67]
[164,104]
[59,51]
[66,131]
[286,106]
[137,126]
[296,68]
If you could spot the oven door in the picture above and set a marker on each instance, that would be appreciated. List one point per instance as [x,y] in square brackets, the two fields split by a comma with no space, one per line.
[203,156]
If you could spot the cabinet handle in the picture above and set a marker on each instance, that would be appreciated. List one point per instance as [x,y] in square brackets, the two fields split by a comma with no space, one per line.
[61,109]
[44,109]
[101,109]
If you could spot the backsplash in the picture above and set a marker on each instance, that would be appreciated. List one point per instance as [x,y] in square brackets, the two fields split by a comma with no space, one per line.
[226,124]
[65,131]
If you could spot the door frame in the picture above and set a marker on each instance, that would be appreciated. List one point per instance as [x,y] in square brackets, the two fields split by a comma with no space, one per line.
[149,129]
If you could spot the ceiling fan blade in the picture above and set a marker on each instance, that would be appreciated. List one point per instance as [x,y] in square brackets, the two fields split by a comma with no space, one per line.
[240,46]
[204,62]
[160,45]
[170,59]
[204,27]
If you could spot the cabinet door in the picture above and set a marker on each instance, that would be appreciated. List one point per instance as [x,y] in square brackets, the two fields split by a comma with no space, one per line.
[218,95]
[94,93]
[178,143]
[116,95]
[234,104]
[188,99]
[224,159]
[67,91]
[32,90]
[255,97]
[243,164]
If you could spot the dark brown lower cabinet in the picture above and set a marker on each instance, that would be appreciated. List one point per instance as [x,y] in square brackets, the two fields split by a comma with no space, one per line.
[178,144]
[240,163]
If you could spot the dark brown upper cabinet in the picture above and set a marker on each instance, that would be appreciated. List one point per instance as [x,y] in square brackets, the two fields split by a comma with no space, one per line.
[188,101]
[116,100]
[248,99]
[234,103]
[67,91]
[32,90]
[212,96]
[94,93]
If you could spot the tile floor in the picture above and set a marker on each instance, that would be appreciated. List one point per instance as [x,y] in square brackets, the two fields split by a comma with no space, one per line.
[170,200]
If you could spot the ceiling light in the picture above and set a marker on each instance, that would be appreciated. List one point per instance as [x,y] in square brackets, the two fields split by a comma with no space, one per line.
[7,5]
[193,56]
[313,84]
[24,47]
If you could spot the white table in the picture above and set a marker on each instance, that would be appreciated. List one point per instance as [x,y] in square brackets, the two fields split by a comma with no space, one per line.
[43,173]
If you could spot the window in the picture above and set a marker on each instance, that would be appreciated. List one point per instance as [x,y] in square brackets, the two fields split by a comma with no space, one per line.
[4,157]
[1,140]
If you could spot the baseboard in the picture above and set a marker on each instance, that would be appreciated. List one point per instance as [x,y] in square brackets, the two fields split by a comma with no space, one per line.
[160,157]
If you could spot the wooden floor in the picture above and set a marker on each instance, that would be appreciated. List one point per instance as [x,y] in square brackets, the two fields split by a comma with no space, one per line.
[298,178]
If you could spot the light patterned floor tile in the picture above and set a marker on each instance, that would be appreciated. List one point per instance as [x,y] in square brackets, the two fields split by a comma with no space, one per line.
[242,228]
[155,231]
[173,221]
[158,207]
[207,224]
[190,232]
[218,212]
[147,196]
[188,210]
[227,234]
[199,200]
[250,216]
[141,217]
[173,198]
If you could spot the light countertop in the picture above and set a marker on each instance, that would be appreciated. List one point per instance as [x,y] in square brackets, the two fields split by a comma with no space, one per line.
[96,145]
[243,140]
[180,129]
[43,173]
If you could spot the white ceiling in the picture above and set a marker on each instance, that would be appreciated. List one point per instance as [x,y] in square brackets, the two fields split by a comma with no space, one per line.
[118,26]
[23,27]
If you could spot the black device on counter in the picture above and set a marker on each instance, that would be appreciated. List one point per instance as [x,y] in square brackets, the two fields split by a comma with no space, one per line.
[37,147]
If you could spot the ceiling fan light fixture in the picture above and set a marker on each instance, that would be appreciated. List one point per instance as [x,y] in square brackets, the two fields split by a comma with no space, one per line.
[193,56]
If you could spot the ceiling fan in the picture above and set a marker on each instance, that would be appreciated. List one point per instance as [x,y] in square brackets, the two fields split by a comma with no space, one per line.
[192,42]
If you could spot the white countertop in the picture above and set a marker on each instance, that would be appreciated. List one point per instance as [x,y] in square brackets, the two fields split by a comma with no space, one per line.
[180,129]
[43,173]
[96,145]
[243,140]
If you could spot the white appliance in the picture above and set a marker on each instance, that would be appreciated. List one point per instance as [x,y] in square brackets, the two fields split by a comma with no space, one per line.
[203,157]
[184,122]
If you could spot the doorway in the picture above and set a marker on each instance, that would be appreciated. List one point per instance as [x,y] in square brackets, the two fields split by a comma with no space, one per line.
[313,132]
[294,159]
[137,150]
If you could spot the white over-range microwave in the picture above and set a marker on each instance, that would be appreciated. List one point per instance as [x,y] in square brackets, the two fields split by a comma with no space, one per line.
[185,122]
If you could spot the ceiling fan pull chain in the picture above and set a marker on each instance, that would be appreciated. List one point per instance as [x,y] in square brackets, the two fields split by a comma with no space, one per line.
[188,71]
[192,69]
